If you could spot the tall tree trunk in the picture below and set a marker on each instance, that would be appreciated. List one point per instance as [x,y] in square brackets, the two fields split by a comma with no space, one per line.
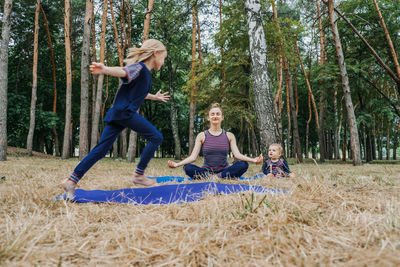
[288,82]
[308,127]
[388,141]
[296,97]
[296,137]
[395,78]
[355,143]
[95,121]
[278,98]
[308,86]
[29,141]
[85,60]
[199,38]
[146,25]
[344,142]
[5,39]
[321,136]
[68,107]
[93,79]
[173,113]
[395,141]
[336,125]
[194,87]
[388,39]
[263,99]
[119,38]
[254,144]
[133,135]
[380,140]
[53,64]
[223,67]
[329,143]
[123,144]
[310,98]
[282,66]
[132,147]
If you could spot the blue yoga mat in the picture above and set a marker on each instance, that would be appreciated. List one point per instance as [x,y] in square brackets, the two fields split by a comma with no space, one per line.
[179,179]
[165,194]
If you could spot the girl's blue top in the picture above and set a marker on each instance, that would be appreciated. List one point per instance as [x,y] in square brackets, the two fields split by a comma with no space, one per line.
[130,96]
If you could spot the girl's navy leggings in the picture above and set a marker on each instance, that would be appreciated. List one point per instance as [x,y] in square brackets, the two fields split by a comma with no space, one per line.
[112,130]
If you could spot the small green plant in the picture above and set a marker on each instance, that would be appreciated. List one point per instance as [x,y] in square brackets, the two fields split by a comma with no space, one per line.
[249,206]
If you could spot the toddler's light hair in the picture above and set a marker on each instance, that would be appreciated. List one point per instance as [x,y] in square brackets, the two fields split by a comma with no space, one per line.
[144,52]
[279,146]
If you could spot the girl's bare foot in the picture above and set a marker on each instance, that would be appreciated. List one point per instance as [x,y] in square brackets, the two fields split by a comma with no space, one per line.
[69,188]
[143,180]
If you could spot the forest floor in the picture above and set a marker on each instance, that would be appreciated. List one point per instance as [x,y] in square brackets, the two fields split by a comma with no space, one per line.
[333,215]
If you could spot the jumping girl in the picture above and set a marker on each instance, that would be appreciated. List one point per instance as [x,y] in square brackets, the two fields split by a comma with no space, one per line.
[123,114]
[215,142]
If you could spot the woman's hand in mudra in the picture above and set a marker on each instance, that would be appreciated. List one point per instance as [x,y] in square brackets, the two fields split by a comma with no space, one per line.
[172,164]
[258,159]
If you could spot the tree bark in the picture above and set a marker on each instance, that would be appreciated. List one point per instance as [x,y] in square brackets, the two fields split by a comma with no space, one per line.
[68,108]
[310,99]
[308,86]
[388,39]
[395,141]
[223,67]
[146,25]
[133,135]
[29,141]
[344,142]
[85,61]
[5,40]
[355,143]
[262,93]
[288,83]
[173,113]
[281,66]
[296,137]
[95,121]
[119,38]
[336,126]
[93,79]
[321,135]
[53,64]
[308,127]
[193,101]
[370,48]
[388,142]
[380,140]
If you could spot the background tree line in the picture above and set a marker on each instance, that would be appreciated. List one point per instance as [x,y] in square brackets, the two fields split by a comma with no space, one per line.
[209,60]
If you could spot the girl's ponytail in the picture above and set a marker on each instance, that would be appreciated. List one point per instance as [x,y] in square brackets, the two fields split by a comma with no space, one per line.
[144,52]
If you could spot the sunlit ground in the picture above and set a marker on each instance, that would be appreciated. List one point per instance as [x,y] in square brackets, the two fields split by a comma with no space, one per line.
[334,214]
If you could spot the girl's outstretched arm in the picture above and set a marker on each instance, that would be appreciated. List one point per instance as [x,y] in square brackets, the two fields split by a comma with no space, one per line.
[99,68]
[195,153]
[164,97]
[237,154]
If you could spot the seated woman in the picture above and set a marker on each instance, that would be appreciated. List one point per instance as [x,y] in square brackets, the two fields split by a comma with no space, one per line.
[215,142]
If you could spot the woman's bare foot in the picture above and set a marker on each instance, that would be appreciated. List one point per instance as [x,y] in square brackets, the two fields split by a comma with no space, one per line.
[143,180]
[69,188]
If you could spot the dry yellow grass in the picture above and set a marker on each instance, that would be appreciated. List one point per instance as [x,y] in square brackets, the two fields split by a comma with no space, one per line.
[335,215]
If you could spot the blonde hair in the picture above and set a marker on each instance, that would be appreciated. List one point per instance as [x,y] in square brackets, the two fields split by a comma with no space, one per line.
[144,52]
[216,105]
[279,146]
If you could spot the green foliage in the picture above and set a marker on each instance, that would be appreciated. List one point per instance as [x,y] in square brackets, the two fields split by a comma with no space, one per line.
[225,49]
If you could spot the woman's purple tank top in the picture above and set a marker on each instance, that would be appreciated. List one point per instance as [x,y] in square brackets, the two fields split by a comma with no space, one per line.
[215,151]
